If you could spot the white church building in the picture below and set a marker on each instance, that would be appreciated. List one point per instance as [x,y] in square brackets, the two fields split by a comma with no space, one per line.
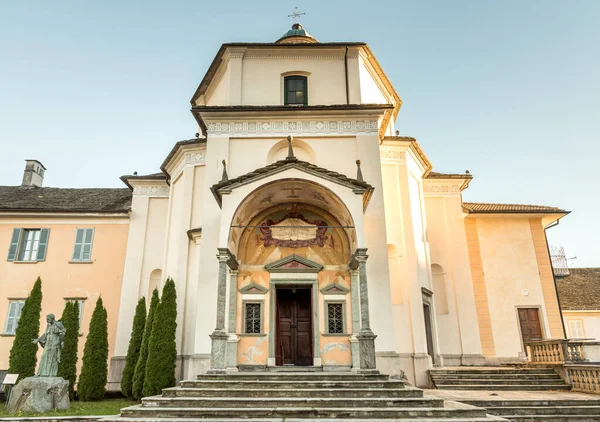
[302,230]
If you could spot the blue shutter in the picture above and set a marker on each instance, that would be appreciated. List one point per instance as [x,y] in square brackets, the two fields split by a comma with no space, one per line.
[43,246]
[14,244]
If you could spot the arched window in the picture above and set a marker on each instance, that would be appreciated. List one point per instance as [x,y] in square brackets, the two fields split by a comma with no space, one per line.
[295,90]
[439,289]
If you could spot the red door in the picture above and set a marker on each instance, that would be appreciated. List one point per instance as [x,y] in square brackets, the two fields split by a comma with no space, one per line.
[294,327]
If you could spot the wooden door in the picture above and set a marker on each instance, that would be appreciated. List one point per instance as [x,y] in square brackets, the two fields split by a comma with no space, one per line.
[294,327]
[529,319]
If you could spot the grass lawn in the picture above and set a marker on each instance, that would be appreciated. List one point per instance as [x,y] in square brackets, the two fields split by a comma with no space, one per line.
[81,408]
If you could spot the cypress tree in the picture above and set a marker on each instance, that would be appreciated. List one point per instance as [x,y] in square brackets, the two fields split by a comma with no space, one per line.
[23,354]
[140,367]
[162,356]
[67,368]
[94,372]
[133,351]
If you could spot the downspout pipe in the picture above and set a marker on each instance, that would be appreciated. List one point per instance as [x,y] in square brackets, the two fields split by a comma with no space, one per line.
[562,319]
[346,76]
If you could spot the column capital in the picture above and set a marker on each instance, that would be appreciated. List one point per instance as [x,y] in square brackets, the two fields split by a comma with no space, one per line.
[225,255]
[360,255]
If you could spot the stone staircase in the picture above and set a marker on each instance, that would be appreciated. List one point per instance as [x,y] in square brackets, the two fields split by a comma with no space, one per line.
[554,410]
[295,397]
[500,378]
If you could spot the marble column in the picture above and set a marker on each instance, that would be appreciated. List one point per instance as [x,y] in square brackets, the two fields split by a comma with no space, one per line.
[219,336]
[233,339]
[354,295]
[366,337]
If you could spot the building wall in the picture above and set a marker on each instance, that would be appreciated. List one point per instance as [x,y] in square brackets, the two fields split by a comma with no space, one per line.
[62,279]
[509,255]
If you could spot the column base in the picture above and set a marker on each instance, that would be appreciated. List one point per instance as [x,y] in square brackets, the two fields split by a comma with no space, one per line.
[366,344]
[354,349]
[232,348]
[218,352]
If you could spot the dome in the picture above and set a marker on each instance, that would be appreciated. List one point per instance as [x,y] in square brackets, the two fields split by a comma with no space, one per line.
[297,35]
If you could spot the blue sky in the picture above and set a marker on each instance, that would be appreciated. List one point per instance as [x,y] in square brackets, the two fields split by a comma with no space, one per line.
[507,89]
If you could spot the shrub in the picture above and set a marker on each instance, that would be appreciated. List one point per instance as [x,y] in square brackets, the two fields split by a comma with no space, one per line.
[133,351]
[94,372]
[67,368]
[162,356]
[23,354]
[140,367]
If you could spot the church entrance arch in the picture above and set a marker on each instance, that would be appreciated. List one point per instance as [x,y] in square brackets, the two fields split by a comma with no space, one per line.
[293,239]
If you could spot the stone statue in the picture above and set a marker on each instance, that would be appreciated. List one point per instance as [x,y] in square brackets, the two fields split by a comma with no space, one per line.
[52,342]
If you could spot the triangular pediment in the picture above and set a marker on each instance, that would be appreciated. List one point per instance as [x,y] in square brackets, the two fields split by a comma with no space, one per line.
[335,288]
[254,288]
[293,263]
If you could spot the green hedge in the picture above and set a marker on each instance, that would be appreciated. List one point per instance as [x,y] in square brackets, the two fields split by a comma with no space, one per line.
[94,372]
[23,354]
[140,367]
[67,368]
[133,351]
[162,356]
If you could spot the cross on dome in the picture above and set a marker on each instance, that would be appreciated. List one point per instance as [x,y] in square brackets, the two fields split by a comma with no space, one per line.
[296,15]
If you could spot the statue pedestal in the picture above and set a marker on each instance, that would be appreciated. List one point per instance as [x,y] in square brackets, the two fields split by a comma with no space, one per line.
[39,395]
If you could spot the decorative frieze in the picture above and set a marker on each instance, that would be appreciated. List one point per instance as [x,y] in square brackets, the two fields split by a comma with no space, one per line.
[440,189]
[392,156]
[196,158]
[299,127]
[153,191]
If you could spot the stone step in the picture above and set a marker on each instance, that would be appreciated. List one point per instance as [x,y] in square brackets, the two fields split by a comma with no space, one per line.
[294,376]
[338,413]
[492,371]
[290,384]
[545,410]
[495,376]
[292,392]
[538,387]
[532,402]
[480,381]
[489,418]
[285,402]
[553,418]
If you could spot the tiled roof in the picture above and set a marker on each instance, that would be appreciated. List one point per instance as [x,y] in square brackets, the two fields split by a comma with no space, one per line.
[436,175]
[176,147]
[100,200]
[479,207]
[580,290]
[154,176]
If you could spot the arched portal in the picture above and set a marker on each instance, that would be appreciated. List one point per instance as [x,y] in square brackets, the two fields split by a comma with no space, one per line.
[293,240]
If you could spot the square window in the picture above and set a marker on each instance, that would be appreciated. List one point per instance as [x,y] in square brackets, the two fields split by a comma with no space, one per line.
[252,316]
[295,90]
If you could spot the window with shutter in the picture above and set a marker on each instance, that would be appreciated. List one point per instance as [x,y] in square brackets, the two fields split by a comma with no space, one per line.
[14,244]
[14,313]
[576,328]
[28,245]
[82,250]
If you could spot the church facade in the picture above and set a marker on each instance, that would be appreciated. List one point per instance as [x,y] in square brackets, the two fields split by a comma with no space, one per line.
[302,230]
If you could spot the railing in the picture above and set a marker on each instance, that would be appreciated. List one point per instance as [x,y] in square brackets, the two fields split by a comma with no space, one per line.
[557,352]
[584,377]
